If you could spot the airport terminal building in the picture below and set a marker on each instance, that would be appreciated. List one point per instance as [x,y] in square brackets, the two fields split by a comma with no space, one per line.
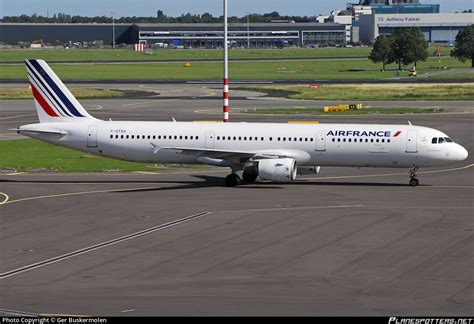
[252,35]
[437,28]
[178,35]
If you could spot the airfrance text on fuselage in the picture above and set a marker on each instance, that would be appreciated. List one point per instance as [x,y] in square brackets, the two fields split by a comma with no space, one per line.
[361,133]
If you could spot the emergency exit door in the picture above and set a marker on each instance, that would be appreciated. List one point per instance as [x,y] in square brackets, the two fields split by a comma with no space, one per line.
[210,140]
[321,141]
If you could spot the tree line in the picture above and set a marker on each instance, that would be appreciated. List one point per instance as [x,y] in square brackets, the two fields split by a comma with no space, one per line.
[409,46]
[161,17]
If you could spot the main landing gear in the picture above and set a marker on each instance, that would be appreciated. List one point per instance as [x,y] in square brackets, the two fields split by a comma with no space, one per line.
[232,180]
[413,179]
[249,175]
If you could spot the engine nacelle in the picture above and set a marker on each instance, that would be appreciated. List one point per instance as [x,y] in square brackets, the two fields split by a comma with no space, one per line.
[277,170]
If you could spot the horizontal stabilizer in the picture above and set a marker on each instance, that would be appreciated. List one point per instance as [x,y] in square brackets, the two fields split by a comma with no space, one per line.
[42,131]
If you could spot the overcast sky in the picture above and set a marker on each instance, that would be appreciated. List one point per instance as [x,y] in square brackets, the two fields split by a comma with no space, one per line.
[178,7]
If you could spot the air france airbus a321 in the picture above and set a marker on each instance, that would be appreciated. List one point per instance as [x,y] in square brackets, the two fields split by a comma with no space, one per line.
[268,151]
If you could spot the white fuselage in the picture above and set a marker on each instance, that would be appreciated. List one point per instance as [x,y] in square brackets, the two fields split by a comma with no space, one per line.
[355,145]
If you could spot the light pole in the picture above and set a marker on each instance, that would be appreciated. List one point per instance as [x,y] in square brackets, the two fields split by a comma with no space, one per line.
[226,68]
[113,28]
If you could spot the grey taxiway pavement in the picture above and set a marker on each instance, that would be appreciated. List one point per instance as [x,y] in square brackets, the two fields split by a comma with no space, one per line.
[344,242]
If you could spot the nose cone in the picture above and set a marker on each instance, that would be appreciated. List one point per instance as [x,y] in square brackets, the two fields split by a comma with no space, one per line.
[460,153]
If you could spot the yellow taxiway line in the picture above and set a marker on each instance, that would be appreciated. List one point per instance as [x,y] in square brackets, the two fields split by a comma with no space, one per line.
[63,315]
[388,174]
[6,198]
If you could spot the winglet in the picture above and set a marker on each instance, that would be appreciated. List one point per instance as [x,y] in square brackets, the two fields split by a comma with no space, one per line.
[409,123]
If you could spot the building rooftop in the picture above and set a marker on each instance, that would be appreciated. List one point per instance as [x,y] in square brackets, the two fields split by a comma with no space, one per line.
[389,2]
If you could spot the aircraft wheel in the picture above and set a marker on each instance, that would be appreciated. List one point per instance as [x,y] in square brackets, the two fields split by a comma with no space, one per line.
[414,182]
[232,180]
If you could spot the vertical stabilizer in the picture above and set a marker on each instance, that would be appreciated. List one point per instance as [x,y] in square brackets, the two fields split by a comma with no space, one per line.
[53,101]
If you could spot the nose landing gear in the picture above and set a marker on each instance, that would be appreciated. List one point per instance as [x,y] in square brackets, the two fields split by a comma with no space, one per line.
[413,179]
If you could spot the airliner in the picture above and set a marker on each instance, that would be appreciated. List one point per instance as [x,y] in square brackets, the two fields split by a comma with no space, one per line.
[273,152]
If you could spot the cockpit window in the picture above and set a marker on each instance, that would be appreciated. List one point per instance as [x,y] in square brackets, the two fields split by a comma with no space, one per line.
[439,140]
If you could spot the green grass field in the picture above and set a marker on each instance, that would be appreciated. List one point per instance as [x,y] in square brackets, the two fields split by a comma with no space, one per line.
[351,112]
[273,70]
[33,155]
[437,91]
[79,93]
[84,55]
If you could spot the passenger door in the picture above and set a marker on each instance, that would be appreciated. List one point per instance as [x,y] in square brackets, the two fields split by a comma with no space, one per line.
[92,136]
[412,138]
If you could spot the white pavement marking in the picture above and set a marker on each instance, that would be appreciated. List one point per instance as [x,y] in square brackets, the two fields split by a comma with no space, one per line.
[75,194]
[127,311]
[98,246]
[286,208]
[16,116]
[10,312]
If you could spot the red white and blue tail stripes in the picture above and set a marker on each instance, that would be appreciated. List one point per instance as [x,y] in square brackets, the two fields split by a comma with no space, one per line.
[51,95]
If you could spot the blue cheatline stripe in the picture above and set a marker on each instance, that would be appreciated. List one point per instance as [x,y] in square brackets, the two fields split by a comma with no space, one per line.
[62,111]
[47,95]
[55,88]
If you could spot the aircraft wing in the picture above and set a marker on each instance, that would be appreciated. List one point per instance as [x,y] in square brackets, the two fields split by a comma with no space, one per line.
[232,155]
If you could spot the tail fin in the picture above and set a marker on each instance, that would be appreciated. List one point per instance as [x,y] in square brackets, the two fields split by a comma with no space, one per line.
[53,101]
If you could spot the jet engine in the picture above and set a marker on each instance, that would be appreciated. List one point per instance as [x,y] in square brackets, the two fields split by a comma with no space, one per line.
[277,170]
